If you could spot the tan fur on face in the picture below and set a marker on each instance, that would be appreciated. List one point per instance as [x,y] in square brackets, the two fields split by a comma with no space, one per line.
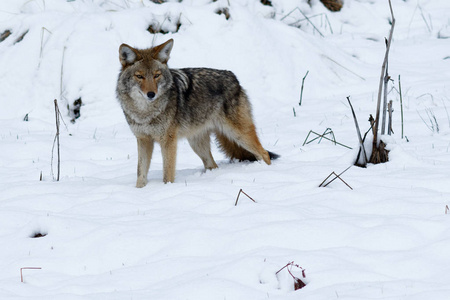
[148,81]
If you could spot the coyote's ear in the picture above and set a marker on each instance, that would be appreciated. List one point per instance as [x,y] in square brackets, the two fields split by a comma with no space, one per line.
[128,55]
[162,52]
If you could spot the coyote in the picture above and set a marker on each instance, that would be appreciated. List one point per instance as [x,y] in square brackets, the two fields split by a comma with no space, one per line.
[162,105]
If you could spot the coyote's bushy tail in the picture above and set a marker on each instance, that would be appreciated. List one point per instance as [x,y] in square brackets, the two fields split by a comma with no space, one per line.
[234,151]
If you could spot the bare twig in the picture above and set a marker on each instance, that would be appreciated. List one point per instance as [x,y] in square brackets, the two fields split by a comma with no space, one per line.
[320,136]
[336,176]
[312,24]
[329,24]
[385,92]
[427,94]
[301,91]
[383,70]
[372,123]
[288,14]
[343,67]
[327,131]
[27,268]
[327,21]
[401,101]
[241,191]
[376,153]
[298,284]
[57,114]
[291,264]
[424,19]
[358,132]
[42,44]
[61,92]
[390,131]
[447,209]
[434,125]
[364,137]
[306,18]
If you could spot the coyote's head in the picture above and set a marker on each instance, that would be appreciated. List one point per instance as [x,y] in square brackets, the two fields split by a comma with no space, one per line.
[144,72]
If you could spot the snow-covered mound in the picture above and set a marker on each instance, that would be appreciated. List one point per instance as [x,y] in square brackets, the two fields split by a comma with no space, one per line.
[95,236]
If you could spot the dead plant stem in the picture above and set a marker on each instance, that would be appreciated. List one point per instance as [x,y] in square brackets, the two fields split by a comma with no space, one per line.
[380,86]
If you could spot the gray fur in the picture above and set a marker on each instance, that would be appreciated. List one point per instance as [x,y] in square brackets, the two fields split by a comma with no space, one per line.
[189,97]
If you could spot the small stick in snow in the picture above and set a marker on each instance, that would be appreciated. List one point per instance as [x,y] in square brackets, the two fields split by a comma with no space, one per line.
[61,91]
[320,136]
[390,110]
[336,176]
[27,268]
[330,131]
[372,123]
[57,137]
[241,191]
[42,43]
[379,153]
[309,21]
[56,140]
[298,284]
[343,67]
[385,92]
[364,137]
[401,100]
[301,91]
[446,209]
[358,132]
[306,18]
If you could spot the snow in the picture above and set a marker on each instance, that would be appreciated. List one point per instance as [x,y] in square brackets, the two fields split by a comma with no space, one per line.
[386,238]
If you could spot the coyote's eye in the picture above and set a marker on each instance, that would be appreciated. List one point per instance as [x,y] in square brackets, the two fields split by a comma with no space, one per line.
[139,76]
[156,75]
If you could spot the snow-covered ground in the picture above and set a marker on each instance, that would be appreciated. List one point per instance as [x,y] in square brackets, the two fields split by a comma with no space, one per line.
[387,238]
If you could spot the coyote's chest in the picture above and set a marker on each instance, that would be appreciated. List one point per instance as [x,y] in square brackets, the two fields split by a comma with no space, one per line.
[155,126]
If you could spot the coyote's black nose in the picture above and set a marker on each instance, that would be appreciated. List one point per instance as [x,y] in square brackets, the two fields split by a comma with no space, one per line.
[150,95]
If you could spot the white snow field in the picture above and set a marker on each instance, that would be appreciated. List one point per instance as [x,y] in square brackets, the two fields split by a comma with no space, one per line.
[386,238]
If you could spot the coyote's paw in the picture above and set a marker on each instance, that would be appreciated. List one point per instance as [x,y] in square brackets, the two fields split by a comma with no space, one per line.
[141,182]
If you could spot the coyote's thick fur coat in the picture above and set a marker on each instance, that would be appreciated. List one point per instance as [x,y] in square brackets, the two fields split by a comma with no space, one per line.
[162,105]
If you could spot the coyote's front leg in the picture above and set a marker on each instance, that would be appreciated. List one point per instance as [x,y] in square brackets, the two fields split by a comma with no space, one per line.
[145,150]
[169,154]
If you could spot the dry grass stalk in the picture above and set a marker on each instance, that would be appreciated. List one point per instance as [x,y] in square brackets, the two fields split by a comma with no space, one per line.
[390,110]
[56,140]
[322,136]
[27,268]
[298,283]
[401,100]
[241,191]
[385,92]
[358,132]
[379,153]
[301,91]
[336,176]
